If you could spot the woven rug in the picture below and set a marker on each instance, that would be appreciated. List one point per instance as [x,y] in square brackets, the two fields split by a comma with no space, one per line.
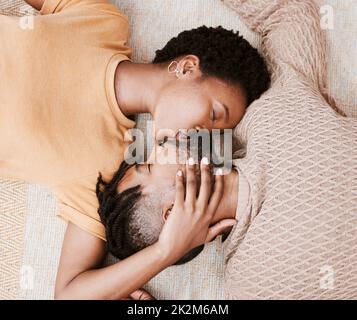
[13,203]
[14,7]
[13,209]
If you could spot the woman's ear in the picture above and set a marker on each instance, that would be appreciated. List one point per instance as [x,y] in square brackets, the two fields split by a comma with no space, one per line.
[189,66]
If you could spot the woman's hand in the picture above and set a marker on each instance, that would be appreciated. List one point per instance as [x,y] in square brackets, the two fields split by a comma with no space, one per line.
[188,225]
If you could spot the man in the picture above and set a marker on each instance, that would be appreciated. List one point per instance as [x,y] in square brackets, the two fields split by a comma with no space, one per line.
[136,203]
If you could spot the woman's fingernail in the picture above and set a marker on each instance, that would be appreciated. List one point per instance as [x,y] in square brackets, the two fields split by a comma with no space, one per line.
[191,161]
[179,173]
[205,161]
[219,172]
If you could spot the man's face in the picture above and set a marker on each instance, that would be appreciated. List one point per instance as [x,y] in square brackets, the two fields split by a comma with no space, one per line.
[156,176]
[158,190]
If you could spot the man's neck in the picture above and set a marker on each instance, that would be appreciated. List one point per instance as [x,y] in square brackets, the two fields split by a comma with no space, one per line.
[228,205]
[136,87]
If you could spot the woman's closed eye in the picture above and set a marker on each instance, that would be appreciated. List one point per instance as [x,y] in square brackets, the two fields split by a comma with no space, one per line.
[213,115]
[219,112]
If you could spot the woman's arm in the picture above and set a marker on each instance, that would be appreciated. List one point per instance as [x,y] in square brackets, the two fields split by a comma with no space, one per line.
[80,275]
[37,4]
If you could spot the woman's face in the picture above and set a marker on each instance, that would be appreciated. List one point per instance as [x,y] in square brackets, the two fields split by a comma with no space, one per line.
[192,101]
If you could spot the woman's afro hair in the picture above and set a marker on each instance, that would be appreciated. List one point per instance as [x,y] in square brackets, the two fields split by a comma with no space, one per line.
[223,54]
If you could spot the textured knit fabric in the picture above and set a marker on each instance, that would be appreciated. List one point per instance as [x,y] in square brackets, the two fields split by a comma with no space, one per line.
[12,219]
[60,123]
[298,237]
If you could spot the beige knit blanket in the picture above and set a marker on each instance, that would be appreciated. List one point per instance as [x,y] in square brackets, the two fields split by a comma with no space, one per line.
[297,238]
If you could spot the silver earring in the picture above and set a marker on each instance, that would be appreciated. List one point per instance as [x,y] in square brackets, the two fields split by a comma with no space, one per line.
[176,70]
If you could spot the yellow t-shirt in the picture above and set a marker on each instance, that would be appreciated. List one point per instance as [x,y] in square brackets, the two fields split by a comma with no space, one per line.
[60,123]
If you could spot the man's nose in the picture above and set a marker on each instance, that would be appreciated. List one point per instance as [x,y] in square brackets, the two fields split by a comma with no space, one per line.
[162,135]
